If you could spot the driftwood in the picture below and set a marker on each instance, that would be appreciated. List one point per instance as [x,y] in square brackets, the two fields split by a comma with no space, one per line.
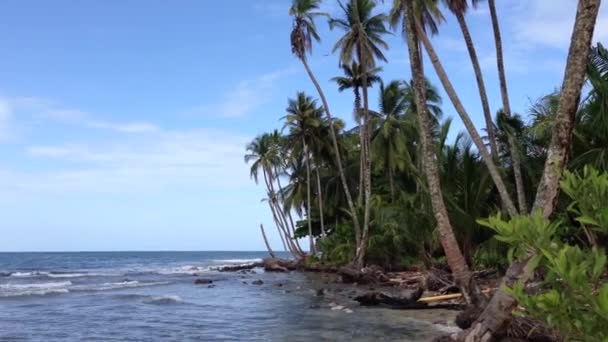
[367,275]
[411,302]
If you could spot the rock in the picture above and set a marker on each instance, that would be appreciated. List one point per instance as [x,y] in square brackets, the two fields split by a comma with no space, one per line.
[245,282]
[275,265]
[257,282]
[320,292]
[279,284]
[236,268]
[211,286]
[203,281]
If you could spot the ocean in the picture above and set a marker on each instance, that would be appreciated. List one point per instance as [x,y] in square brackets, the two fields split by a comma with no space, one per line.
[151,296]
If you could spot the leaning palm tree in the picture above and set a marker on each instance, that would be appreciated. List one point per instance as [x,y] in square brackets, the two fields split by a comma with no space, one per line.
[506,107]
[353,79]
[459,9]
[404,10]
[468,123]
[362,40]
[303,33]
[302,118]
[497,314]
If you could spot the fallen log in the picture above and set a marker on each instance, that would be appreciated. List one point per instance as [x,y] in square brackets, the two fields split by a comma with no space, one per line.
[411,302]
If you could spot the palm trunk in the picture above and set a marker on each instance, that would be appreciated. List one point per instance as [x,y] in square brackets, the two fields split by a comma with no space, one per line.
[506,107]
[291,227]
[497,313]
[283,241]
[391,182]
[462,274]
[367,179]
[308,203]
[358,117]
[349,199]
[266,242]
[449,89]
[281,215]
[320,201]
[276,210]
[480,83]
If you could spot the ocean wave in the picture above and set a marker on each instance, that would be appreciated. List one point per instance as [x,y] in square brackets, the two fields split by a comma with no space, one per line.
[164,300]
[40,289]
[187,269]
[28,274]
[115,286]
[238,261]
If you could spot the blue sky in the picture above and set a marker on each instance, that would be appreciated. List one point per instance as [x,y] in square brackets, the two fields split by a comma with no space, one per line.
[123,123]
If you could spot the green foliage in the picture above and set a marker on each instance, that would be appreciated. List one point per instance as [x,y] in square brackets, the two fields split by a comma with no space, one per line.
[575,299]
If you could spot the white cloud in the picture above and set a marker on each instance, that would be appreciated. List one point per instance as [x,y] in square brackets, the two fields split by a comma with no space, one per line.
[549,23]
[200,159]
[5,117]
[246,96]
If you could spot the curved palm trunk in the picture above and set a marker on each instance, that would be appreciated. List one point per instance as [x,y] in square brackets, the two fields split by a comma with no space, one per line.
[462,274]
[449,89]
[291,227]
[349,199]
[480,83]
[320,201]
[266,241]
[278,219]
[308,204]
[497,313]
[506,107]
[391,182]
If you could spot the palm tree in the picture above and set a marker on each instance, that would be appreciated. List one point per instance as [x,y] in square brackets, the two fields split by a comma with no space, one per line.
[264,152]
[304,31]
[468,123]
[497,313]
[362,40]
[353,79]
[389,145]
[303,118]
[506,107]
[454,256]
[459,9]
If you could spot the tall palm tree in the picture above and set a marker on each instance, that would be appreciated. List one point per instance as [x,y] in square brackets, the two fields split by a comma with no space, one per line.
[302,118]
[264,154]
[506,107]
[468,123]
[454,256]
[362,40]
[353,79]
[459,9]
[304,31]
[389,145]
[497,313]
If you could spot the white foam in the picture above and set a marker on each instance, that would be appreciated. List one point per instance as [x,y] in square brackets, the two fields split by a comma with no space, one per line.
[15,290]
[116,286]
[28,274]
[36,285]
[187,269]
[169,299]
[238,261]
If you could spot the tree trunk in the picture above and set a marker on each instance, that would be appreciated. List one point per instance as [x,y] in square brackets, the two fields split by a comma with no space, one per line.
[320,201]
[462,274]
[391,182]
[276,212]
[497,313]
[367,179]
[349,199]
[291,227]
[506,107]
[480,83]
[266,241]
[358,117]
[308,203]
[449,89]
[283,241]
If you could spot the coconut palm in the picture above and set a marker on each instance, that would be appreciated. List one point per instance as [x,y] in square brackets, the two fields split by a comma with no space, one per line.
[506,107]
[302,119]
[468,123]
[353,79]
[303,33]
[404,11]
[362,40]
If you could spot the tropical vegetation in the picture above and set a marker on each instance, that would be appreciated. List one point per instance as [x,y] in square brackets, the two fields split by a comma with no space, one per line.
[398,189]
